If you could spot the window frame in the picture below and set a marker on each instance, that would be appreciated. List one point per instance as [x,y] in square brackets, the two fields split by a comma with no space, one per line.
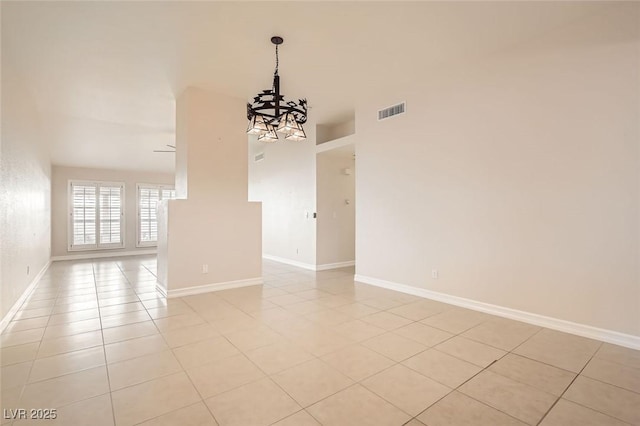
[70,226]
[160,187]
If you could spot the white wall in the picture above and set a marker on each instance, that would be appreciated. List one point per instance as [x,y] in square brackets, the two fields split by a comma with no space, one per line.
[285,182]
[516,177]
[215,225]
[25,189]
[60,204]
[336,222]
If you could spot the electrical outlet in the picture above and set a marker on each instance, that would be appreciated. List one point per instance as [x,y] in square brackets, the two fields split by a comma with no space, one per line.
[434,274]
[205,268]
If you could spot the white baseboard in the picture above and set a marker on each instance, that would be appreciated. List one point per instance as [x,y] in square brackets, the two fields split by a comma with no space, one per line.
[207,288]
[309,266]
[25,294]
[327,266]
[290,262]
[617,338]
[102,255]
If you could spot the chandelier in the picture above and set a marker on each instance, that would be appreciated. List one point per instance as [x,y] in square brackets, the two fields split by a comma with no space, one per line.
[270,114]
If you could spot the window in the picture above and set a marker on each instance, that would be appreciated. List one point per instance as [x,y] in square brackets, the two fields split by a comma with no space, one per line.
[148,197]
[96,217]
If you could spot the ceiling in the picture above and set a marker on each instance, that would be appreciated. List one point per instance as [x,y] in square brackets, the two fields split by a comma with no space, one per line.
[105,75]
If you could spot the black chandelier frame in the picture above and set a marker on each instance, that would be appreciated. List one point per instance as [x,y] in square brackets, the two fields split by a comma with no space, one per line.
[270,103]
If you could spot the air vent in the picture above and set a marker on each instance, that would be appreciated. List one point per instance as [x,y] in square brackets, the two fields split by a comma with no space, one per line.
[259,157]
[389,112]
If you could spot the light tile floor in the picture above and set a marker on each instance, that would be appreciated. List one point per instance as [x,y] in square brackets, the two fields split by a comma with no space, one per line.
[97,343]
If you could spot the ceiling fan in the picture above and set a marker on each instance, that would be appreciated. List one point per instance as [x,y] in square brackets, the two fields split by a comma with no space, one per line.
[166,150]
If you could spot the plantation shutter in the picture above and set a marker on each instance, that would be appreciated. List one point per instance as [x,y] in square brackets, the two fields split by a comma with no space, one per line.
[148,222]
[96,218]
[110,216]
[83,215]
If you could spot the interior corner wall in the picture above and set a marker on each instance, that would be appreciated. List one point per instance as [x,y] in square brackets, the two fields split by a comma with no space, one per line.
[25,190]
[517,177]
[285,182]
[215,225]
[336,192]
[60,204]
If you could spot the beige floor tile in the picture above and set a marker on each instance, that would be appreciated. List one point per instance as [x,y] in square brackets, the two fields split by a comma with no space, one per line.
[395,347]
[424,334]
[9,404]
[561,350]
[23,314]
[15,375]
[151,399]
[278,356]
[567,413]
[106,311]
[311,381]
[70,362]
[77,327]
[521,401]
[305,308]
[187,335]
[417,311]
[169,311]
[456,320]
[133,348]
[94,411]
[175,322]
[501,333]
[457,409]
[357,405]
[286,299]
[328,317]
[63,390]
[608,399]
[75,316]
[414,422]
[223,375]
[357,362]
[193,415]
[130,331]
[476,353]
[357,310]
[381,303]
[357,330]
[142,369]
[613,373]
[204,352]
[321,341]
[71,343]
[442,368]
[124,319]
[301,418]
[542,376]
[386,320]
[258,403]
[72,307]
[619,354]
[27,324]
[18,354]
[406,389]
[21,337]
[254,338]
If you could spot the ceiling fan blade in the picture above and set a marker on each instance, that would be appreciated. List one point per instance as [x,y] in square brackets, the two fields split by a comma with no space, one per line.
[158,150]
[171,146]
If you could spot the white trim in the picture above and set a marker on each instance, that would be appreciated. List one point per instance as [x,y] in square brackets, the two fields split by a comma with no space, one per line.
[336,265]
[336,143]
[289,262]
[25,294]
[207,288]
[101,255]
[610,336]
